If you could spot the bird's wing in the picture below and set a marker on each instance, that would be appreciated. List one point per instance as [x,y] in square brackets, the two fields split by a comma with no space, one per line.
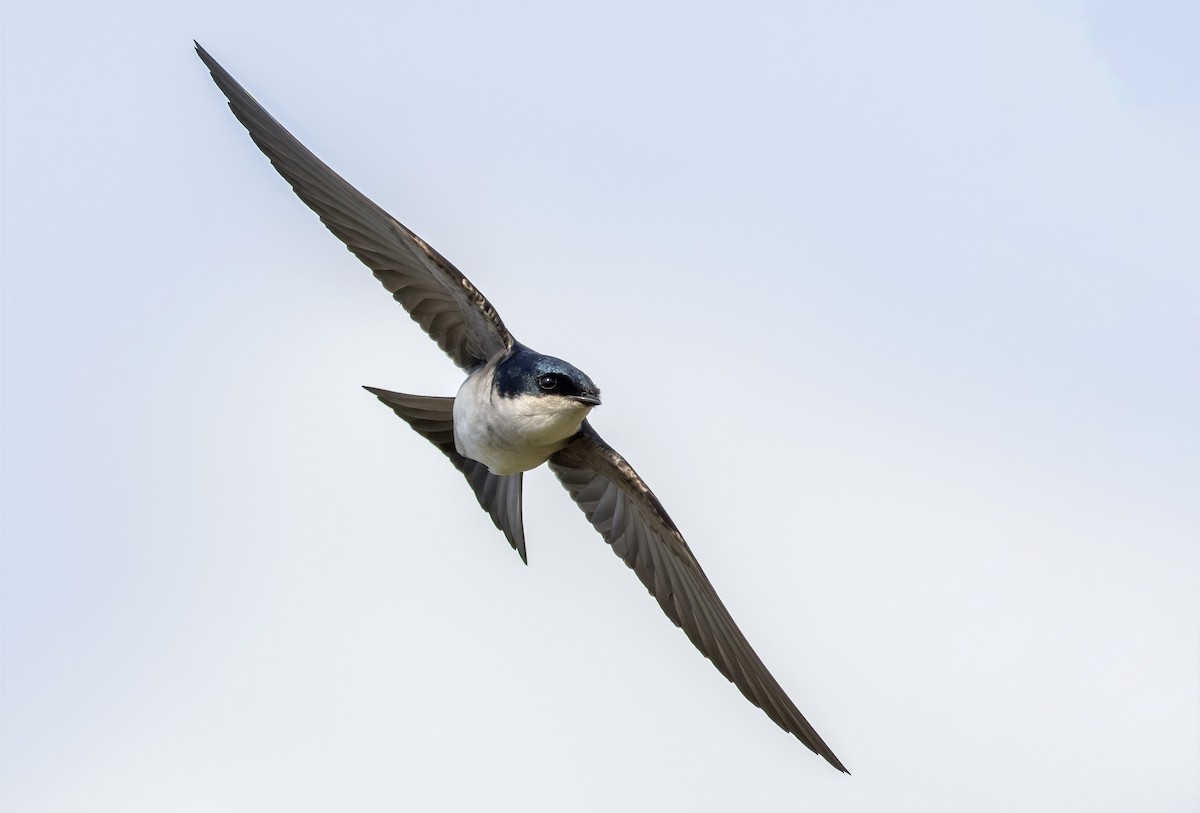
[498,494]
[625,511]
[435,293]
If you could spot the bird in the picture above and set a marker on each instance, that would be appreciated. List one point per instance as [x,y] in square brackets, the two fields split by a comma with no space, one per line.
[516,410]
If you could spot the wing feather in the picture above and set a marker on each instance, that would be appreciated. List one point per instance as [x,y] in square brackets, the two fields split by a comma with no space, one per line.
[625,511]
[435,293]
[500,495]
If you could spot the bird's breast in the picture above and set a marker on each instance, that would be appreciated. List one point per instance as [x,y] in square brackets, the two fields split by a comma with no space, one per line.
[509,434]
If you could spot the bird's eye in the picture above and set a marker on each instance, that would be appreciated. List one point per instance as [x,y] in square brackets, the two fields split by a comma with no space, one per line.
[548,383]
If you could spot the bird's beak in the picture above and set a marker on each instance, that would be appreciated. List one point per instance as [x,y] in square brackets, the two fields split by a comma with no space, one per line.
[589,400]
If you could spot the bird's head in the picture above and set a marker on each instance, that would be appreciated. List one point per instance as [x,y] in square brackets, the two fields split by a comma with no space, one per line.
[529,374]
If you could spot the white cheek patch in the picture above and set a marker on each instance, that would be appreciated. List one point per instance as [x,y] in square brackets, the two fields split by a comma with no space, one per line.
[512,434]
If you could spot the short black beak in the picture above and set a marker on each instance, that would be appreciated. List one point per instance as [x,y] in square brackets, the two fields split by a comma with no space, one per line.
[590,400]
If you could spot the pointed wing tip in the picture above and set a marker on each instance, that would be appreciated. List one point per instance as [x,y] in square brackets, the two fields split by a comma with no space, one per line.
[835,762]
[219,74]
[828,756]
[203,54]
[811,740]
[614,499]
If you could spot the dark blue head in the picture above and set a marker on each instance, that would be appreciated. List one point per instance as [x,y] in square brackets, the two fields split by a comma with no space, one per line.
[528,373]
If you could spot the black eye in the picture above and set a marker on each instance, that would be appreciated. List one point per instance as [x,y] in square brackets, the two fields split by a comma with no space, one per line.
[548,382]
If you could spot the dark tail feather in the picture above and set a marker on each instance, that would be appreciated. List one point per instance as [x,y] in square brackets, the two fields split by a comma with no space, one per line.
[499,495]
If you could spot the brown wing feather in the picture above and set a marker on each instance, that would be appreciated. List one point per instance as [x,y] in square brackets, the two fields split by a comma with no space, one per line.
[625,511]
[500,495]
[435,293]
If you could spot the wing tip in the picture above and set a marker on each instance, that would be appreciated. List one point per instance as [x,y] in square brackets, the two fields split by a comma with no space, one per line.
[205,57]
[822,750]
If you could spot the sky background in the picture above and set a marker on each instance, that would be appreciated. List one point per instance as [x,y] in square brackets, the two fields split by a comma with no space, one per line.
[895,306]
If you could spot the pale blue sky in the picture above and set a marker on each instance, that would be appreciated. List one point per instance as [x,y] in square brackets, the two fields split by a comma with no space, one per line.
[895,308]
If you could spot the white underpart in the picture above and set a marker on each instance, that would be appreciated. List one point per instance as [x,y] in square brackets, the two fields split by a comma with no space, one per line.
[515,434]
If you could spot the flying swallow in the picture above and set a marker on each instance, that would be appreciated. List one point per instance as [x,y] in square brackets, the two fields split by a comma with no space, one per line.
[516,410]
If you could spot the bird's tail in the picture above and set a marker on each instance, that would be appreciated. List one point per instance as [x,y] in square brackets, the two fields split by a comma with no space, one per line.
[500,495]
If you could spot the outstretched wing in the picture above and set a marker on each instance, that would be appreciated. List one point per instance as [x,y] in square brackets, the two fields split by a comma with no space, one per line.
[435,293]
[631,519]
[498,494]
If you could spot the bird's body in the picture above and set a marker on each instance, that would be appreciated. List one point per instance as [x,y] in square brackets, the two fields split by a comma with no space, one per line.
[516,410]
[506,420]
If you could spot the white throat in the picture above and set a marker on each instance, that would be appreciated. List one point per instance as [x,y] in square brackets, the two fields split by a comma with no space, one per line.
[514,434]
